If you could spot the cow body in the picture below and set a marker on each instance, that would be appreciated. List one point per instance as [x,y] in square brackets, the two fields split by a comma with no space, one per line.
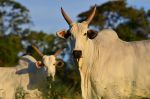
[110,68]
[117,68]
[30,78]
[10,81]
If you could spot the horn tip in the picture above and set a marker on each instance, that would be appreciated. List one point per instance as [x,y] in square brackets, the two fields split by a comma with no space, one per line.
[61,9]
[95,6]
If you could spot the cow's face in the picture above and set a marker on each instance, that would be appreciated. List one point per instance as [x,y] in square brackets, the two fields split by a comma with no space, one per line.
[50,63]
[79,33]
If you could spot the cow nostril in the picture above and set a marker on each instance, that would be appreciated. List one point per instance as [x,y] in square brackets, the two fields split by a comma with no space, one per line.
[77,53]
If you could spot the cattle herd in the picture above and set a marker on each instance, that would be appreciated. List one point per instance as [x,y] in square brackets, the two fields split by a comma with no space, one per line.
[110,68]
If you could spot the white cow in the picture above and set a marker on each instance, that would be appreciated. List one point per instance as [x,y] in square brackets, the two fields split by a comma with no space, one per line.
[109,67]
[31,76]
[49,61]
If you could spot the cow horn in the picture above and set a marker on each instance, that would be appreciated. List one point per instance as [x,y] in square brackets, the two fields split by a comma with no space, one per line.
[37,50]
[66,17]
[91,16]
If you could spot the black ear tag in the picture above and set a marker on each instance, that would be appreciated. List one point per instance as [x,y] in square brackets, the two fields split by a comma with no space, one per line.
[91,34]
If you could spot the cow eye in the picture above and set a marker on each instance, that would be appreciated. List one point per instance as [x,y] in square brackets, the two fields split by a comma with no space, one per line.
[85,34]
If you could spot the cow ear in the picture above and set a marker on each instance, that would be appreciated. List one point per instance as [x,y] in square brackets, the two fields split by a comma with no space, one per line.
[91,34]
[63,34]
[38,64]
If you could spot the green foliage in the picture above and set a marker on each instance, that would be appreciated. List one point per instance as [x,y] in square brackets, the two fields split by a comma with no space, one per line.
[14,17]
[130,23]
[41,39]
[20,93]
[65,86]
[9,48]
[47,43]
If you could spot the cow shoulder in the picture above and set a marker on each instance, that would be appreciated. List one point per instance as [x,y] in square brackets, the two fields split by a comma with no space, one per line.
[109,34]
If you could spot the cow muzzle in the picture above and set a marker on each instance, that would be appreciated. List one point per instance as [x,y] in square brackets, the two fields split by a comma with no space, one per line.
[77,54]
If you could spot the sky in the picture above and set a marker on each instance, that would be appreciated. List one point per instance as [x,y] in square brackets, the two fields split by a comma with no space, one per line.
[46,15]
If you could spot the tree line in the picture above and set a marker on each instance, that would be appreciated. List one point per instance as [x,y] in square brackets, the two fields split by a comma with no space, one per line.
[15,34]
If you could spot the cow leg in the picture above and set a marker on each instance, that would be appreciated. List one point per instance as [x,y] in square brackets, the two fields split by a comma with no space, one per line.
[2,94]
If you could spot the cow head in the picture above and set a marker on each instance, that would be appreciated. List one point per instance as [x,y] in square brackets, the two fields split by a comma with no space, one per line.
[49,61]
[79,33]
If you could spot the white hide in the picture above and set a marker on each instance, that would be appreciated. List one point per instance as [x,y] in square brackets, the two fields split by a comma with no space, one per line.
[111,68]
[28,76]
[50,63]
[114,68]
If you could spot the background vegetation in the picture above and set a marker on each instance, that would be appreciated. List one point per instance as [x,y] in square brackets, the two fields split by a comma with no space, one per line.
[16,37]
